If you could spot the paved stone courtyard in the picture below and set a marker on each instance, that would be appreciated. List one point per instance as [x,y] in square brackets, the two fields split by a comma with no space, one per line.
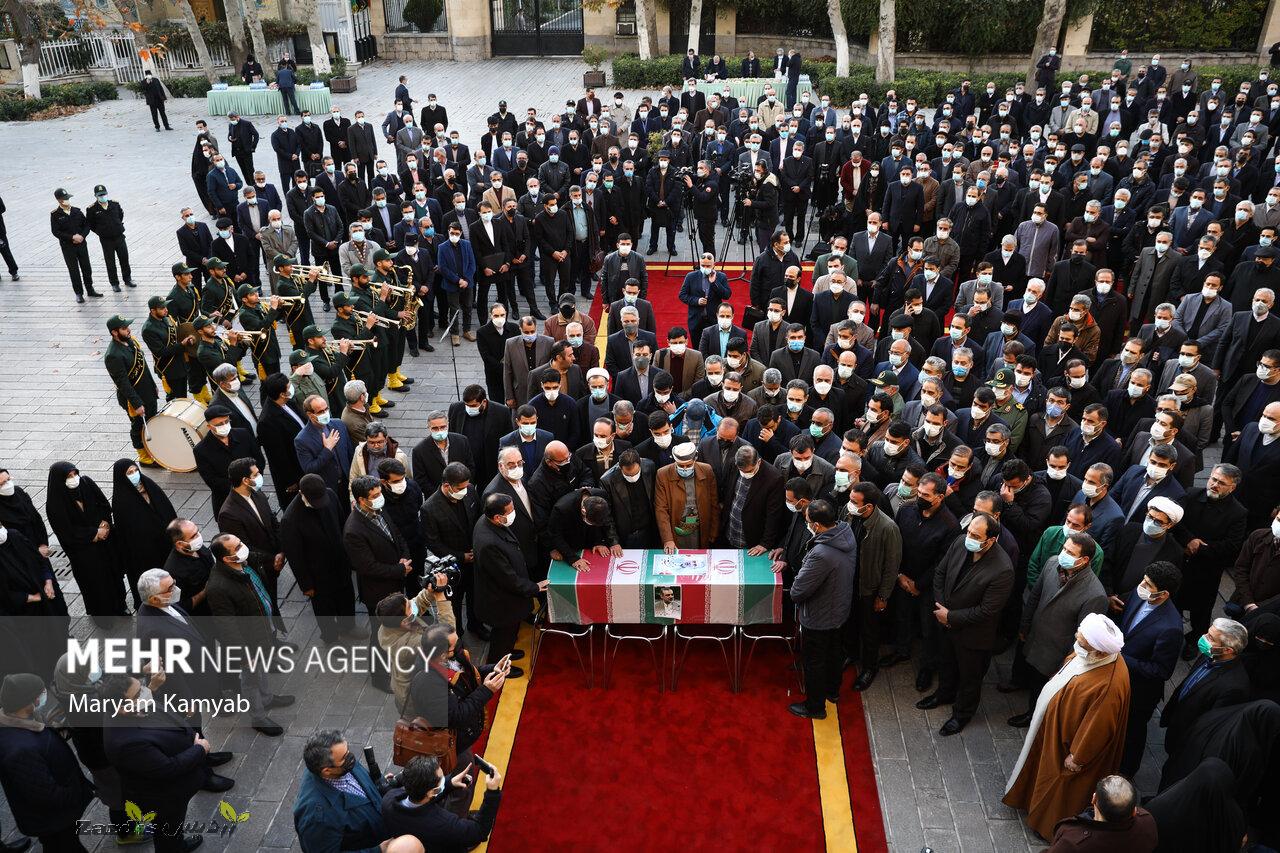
[59,404]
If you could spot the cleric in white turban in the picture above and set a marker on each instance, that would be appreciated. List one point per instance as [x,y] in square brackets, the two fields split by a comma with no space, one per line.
[1077,729]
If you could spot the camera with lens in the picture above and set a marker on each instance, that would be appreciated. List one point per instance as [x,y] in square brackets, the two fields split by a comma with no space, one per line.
[447,566]
[685,172]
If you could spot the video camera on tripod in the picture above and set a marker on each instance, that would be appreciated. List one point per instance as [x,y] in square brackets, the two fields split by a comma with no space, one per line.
[447,566]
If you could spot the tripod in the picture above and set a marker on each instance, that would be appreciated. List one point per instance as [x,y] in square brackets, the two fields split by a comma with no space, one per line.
[690,227]
[746,236]
[452,329]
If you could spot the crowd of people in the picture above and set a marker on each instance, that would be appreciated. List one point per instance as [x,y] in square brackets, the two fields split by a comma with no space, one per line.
[976,427]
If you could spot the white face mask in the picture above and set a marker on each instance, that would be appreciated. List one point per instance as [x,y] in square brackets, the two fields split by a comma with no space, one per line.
[8,488]
[516,473]
[730,397]
[663,441]
[1155,472]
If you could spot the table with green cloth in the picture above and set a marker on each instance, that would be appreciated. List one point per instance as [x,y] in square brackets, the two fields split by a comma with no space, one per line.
[749,89]
[715,587]
[244,101]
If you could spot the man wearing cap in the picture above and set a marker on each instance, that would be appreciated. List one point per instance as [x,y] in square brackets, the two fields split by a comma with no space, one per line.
[1009,410]
[393,305]
[223,185]
[296,315]
[266,348]
[222,445]
[218,295]
[305,376]
[214,350]
[365,363]
[184,301]
[235,250]
[686,502]
[1076,734]
[71,228]
[135,389]
[363,298]
[106,219]
[168,351]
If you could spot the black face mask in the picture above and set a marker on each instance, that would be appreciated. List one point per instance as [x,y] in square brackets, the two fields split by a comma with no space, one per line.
[566,311]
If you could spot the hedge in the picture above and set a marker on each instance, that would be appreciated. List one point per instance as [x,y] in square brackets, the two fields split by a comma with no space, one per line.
[198,86]
[928,87]
[14,107]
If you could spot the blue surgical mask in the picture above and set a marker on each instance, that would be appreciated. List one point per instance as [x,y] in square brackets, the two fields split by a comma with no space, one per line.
[135,478]
[795,346]
[322,418]
[972,545]
[685,472]
[257,483]
[1053,410]
[575,341]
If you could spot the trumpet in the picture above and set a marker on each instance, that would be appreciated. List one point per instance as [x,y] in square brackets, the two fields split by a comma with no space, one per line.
[302,272]
[335,346]
[381,321]
[252,336]
[398,290]
[291,300]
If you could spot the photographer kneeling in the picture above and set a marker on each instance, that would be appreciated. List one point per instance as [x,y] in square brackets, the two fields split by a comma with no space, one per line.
[401,623]
[446,667]
[417,806]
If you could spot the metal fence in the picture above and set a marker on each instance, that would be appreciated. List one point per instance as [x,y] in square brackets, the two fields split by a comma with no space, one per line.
[393,12]
[117,52]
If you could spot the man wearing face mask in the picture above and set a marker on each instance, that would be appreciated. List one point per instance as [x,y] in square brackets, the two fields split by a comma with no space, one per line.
[1218,679]
[324,447]
[246,617]
[504,591]
[969,615]
[311,539]
[247,514]
[189,563]
[220,446]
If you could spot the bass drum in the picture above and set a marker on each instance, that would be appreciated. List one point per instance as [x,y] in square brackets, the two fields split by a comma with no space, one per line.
[172,435]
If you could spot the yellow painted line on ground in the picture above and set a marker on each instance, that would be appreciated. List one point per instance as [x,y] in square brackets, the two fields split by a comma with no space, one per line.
[502,734]
[833,784]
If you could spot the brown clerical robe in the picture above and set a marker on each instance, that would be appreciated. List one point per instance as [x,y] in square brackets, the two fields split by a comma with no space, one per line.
[1086,720]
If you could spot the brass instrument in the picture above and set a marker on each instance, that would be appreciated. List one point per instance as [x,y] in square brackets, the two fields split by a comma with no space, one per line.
[356,346]
[381,321]
[412,302]
[291,300]
[397,289]
[254,337]
[302,272]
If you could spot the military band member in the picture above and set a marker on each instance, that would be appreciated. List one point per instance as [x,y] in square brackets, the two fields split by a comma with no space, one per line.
[184,307]
[218,302]
[214,350]
[365,298]
[306,381]
[160,333]
[135,389]
[329,367]
[265,349]
[363,364]
[296,315]
[385,272]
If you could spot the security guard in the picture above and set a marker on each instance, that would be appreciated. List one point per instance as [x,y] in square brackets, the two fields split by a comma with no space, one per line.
[71,228]
[160,333]
[214,350]
[385,272]
[296,315]
[135,389]
[184,307]
[253,318]
[1010,410]
[106,219]
[363,364]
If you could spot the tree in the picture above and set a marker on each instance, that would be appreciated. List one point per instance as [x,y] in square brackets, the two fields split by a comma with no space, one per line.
[254,21]
[646,29]
[887,42]
[695,24]
[1046,35]
[235,29]
[841,37]
[190,21]
[30,26]
[309,11]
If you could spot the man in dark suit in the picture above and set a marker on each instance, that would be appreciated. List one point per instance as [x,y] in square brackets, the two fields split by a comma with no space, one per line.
[1152,628]
[642,381]
[243,137]
[755,494]
[221,446]
[379,557]
[619,345]
[230,395]
[511,481]
[323,445]
[1217,679]
[1137,487]
[873,250]
[702,291]
[794,66]
[440,447]
[504,592]
[247,514]
[903,207]
[279,425]
[715,339]
[494,243]
[1260,461]
[971,586]
[795,360]
[629,486]
[311,538]
[797,303]
[1249,334]
[484,423]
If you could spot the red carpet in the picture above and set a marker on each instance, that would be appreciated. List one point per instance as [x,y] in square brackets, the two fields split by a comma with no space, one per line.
[868,820]
[664,293]
[629,769]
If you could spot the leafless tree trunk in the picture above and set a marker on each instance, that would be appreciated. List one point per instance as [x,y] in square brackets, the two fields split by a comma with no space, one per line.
[841,36]
[28,45]
[197,39]
[235,28]
[886,47]
[1046,35]
[254,21]
[646,29]
[309,11]
[695,23]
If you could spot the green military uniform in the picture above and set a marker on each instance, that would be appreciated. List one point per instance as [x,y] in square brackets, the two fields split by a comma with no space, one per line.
[266,351]
[306,386]
[135,389]
[210,354]
[395,335]
[1011,411]
[364,365]
[330,368]
[184,307]
[161,337]
[367,300]
[296,317]
[219,297]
